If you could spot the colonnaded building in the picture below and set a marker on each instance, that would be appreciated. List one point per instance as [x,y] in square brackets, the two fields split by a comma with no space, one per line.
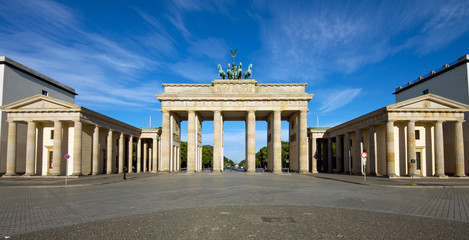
[424,133]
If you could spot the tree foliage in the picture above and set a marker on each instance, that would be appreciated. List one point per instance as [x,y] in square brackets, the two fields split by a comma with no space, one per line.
[183,154]
[261,155]
[207,156]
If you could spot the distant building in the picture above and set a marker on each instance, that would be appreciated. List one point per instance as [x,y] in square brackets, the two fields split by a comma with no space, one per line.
[425,133]
[449,81]
[18,82]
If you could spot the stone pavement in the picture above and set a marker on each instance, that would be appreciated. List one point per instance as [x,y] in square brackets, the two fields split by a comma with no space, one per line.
[31,205]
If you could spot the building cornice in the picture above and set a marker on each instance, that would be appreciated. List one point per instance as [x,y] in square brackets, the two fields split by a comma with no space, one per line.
[445,68]
[20,67]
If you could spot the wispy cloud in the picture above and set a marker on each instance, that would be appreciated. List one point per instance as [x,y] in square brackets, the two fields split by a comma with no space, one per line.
[310,39]
[99,68]
[213,48]
[336,99]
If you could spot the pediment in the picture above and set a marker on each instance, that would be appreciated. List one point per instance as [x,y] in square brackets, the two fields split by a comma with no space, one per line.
[39,102]
[429,102]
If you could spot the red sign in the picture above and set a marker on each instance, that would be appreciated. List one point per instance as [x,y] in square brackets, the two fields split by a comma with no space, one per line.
[67,156]
[364,155]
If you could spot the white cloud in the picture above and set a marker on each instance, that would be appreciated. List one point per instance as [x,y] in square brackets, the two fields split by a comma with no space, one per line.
[194,70]
[213,48]
[100,69]
[336,99]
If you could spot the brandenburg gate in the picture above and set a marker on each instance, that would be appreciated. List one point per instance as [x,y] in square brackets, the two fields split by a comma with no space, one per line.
[234,99]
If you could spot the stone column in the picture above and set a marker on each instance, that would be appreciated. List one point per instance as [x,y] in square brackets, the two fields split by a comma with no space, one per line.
[251,141]
[277,143]
[131,150]
[155,155]
[57,154]
[139,155]
[166,147]
[338,154]
[347,153]
[459,145]
[429,150]
[30,148]
[95,150]
[439,150]
[77,148]
[192,142]
[357,166]
[411,148]
[110,144]
[217,141]
[314,154]
[390,155]
[371,151]
[329,155]
[121,153]
[11,149]
[159,154]
[145,156]
[303,141]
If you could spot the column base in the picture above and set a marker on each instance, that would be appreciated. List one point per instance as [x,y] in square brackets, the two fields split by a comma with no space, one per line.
[441,176]
[76,174]
[29,174]
[9,175]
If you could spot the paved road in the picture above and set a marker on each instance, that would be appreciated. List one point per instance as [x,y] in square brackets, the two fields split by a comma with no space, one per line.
[26,207]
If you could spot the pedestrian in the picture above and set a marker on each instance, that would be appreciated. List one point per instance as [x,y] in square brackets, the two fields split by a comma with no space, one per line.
[125,173]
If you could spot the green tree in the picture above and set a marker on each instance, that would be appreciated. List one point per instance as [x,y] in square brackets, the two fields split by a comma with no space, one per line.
[261,155]
[261,158]
[207,156]
[285,153]
[228,162]
[183,154]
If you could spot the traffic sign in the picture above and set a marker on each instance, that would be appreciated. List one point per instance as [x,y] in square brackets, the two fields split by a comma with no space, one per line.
[67,156]
[364,155]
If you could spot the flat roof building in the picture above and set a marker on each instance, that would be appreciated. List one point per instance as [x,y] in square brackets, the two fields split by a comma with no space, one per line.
[18,82]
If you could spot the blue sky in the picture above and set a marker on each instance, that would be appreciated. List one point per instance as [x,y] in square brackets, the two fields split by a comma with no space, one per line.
[116,54]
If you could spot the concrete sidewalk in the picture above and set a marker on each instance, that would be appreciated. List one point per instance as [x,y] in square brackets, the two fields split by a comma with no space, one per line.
[73,181]
[28,205]
[401,182]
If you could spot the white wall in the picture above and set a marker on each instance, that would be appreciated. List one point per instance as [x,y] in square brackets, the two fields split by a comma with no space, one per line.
[452,84]
[17,85]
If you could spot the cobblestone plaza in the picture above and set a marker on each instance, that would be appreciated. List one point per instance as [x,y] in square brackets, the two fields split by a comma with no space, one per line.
[30,205]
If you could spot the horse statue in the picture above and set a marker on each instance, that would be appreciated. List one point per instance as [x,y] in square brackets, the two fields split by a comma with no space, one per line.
[248,73]
[240,71]
[228,71]
[221,73]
